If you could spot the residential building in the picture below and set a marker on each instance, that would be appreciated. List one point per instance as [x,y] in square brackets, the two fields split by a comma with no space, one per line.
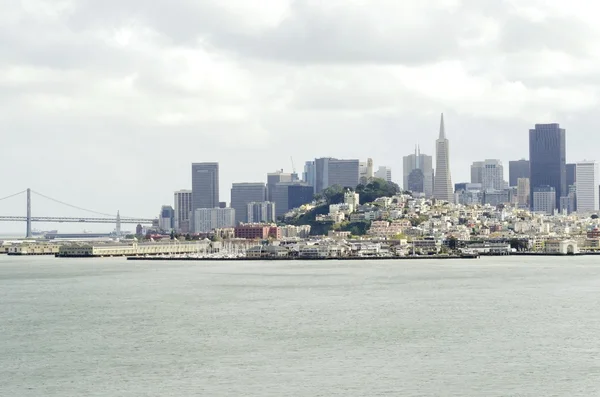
[442,186]
[166,220]
[273,179]
[330,172]
[183,210]
[588,179]
[384,173]
[261,212]
[547,157]
[208,219]
[420,180]
[244,193]
[290,195]
[517,169]
[544,200]
[205,186]
[523,192]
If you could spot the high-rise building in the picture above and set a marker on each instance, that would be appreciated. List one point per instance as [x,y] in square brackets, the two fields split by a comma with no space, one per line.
[442,185]
[384,173]
[517,169]
[166,220]
[490,173]
[308,176]
[571,174]
[205,185]
[330,172]
[477,172]
[547,159]
[523,192]
[183,210]
[588,179]
[424,163]
[290,195]
[208,219]
[273,179]
[261,212]
[544,200]
[366,171]
[244,193]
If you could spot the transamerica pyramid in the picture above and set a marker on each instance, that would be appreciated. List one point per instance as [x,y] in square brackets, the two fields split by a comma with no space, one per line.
[442,185]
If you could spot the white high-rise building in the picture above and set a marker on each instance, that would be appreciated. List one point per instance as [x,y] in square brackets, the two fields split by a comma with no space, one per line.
[208,219]
[183,210]
[384,173]
[490,173]
[588,180]
[261,212]
[442,185]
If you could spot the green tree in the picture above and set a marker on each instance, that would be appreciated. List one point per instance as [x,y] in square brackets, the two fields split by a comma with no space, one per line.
[375,189]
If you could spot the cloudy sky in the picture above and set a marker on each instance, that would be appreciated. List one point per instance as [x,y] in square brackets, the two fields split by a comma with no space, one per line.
[105,103]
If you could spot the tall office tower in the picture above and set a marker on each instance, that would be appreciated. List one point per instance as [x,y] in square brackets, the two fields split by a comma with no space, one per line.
[330,171]
[261,212]
[290,195]
[490,173]
[523,193]
[183,210]
[571,174]
[208,219]
[517,169]
[244,193]
[588,179]
[384,173]
[422,162]
[308,176]
[365,171]
[166,220]
[205,185]
[477,172]
[273,179]
[547,155]
[442,185]
[544,200]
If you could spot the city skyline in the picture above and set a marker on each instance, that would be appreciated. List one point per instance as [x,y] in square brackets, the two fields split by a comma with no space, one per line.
[126,97]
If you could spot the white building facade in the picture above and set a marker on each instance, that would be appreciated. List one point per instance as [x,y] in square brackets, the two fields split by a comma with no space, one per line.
[384,173]
[183,210]
[588,180]
[208,219]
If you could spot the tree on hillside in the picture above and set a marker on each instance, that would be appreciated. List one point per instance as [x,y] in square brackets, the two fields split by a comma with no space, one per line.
[332,195]
[375,189]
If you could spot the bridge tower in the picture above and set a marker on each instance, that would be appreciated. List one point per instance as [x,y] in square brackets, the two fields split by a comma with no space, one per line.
[29,234]
[118,229]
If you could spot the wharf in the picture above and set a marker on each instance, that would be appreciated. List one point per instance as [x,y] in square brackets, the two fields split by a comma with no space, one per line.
[293,258]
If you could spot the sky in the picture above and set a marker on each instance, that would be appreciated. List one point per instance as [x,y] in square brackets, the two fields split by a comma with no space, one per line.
[105,104]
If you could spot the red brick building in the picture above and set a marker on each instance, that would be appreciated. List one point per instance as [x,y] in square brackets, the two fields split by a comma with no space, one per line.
[257,232]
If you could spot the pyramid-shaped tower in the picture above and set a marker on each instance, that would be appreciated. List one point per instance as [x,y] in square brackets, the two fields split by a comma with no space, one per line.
[442,185]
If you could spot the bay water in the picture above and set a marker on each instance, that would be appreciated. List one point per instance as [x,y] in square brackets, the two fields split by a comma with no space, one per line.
[502,326]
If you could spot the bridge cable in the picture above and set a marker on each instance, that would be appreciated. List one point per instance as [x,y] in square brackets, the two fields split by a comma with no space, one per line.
[72,206]
[12,195]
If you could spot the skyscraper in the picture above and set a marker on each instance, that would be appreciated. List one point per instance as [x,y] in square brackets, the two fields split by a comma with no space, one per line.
[571,174]
[330,171]
[517,169]
[205,186]
[421,180]
[523,193]
[274,178]
[183,210]
[547,159]
[290,195]
[384,173]
[442,186]
[490,173]
[261,212]
[244,193]
[588,179]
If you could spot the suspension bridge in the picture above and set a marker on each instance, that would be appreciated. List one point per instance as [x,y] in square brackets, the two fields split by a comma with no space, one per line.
[99,217]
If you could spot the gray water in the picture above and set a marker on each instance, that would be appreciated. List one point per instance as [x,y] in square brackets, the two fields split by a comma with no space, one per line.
[487,327]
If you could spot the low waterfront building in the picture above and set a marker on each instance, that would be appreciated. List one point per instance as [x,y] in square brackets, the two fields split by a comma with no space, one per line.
[267,251]
[564,247]
[33,249]
[99,250]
